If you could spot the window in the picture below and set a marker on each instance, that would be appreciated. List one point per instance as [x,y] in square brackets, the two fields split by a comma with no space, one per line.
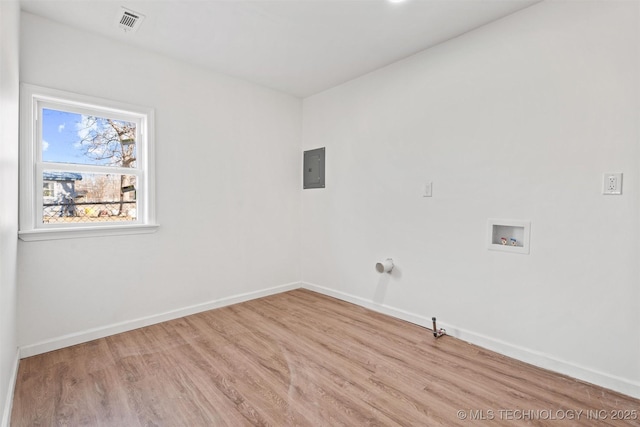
[47,189]
[86,166]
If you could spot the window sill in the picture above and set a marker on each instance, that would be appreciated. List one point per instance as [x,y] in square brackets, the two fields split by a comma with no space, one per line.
[82,232]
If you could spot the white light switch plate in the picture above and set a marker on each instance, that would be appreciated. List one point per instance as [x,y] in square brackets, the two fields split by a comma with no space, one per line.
[428,189]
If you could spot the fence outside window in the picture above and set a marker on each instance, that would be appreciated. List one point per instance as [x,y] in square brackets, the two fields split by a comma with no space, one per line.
[89,212]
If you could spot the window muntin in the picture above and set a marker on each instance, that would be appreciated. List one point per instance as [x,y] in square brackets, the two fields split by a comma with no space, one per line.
[86,165]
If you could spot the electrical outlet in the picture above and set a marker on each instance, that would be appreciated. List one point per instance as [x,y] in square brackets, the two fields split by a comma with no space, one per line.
[612,183]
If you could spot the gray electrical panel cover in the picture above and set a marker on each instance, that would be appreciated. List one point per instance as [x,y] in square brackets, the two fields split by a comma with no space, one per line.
[314,168]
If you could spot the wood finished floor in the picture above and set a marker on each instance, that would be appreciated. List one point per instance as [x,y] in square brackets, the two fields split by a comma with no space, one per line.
[298,358]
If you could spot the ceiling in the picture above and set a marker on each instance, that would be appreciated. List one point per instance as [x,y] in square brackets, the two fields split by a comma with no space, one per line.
[300,47]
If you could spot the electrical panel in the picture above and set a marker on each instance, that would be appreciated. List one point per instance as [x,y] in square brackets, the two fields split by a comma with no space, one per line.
[313,171]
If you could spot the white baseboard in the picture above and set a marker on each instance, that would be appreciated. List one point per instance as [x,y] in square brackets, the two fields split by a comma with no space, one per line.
[622,385]
[8,403]
[116,328]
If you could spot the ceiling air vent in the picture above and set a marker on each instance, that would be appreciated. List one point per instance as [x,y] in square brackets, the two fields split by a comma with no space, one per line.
[128,20]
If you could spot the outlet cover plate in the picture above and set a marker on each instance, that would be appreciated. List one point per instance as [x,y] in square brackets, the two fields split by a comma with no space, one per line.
[612,184]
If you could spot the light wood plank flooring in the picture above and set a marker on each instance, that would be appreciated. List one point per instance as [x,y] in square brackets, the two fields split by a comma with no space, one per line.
[299,359]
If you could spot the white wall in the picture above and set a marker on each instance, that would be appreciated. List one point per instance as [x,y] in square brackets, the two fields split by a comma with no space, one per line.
[516,120]
[228,198]
[9,61]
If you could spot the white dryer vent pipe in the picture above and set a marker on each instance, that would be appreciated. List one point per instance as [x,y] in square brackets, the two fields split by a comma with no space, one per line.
[385,266]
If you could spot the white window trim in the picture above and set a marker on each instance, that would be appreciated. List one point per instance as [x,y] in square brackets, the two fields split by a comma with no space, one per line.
[31,166]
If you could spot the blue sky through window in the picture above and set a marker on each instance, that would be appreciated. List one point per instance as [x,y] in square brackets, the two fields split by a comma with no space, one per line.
[62,139]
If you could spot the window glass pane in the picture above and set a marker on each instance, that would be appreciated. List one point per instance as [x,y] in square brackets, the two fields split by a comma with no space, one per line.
[87,140]
[71,197]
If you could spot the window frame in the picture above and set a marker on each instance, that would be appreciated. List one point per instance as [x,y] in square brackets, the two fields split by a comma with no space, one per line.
[33,99]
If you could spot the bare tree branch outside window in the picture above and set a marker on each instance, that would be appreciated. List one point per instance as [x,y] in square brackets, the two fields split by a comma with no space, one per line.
[110,142]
